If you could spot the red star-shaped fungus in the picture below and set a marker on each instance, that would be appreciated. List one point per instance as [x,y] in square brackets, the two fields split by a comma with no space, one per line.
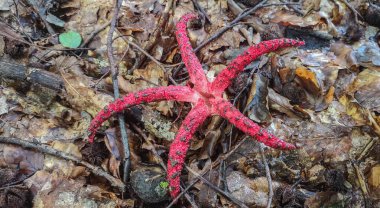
[206,98]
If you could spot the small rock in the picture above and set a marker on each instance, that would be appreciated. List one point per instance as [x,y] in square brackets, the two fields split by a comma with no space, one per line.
[249,191]
[147,184]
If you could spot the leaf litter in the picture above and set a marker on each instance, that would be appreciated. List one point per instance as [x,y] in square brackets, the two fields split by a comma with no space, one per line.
[323,96]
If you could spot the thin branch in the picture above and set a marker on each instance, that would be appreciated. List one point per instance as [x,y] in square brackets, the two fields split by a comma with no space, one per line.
[203,12]
[95,32]
[42,15]
[362,183]
[230,25]
[21,186]
[115,72]
[267,173]
[159,158]
[15,183]
[217,189]
[161,65]
[294,8]
[115,182]
[157,33]
[353,10]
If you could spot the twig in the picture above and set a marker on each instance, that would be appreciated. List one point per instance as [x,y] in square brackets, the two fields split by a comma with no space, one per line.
[21,186]
[15,183]
[115,72]
[230,25]
[161,161]
[139,131]
[267,173]
[207,169]
[40,13]
[19,22]
[196,4]
[353,10]
[294,8]
[161,65]
[95,32]
[217,189]
[9,32]
[368,147]
[156,34]
[30,75]
[362,183]
[51,151]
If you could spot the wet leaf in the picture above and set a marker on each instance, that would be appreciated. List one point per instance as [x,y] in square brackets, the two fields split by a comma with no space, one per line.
[258,107]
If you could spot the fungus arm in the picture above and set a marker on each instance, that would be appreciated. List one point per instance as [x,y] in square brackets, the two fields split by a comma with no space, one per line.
[224,79]
[194,67]
[179,93]
[233,115]
[180,145]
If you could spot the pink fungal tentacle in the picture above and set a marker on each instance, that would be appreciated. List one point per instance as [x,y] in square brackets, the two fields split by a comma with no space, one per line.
[233,115]
[194,67]
[179,93]
[180,145]
[224,79]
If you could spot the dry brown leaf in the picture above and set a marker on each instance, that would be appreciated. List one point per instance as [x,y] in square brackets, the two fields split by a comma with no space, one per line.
[113,144]
[326,100]
[43,130]
[374,180]
[207,196]
[282,104]
[51,190]
[308,80]
[25,161]
[112,165]
[288,19]
[67,168]
[345,56]
[354,110]
[83,98]
[329,95]
[250,192]
[366,89]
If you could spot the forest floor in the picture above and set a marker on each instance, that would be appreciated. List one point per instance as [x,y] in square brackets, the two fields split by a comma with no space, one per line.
[61,62]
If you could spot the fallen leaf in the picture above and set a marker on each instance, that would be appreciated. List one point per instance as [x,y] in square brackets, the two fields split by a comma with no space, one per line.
[309,80]
[250,192]
[67,168]
[70,39]
[366,89]
[257,106]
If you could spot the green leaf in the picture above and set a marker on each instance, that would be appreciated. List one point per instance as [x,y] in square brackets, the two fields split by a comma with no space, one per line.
[164,184]
[70,39]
